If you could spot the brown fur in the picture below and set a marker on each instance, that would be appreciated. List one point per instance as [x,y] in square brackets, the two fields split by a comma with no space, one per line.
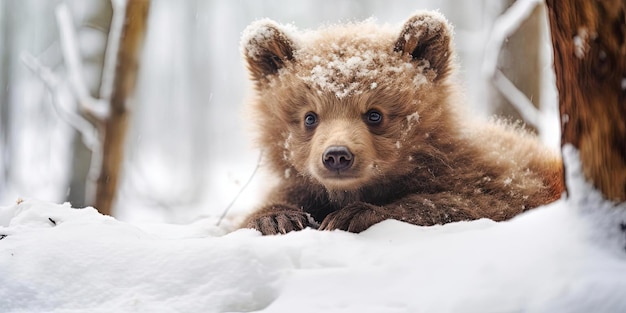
[424,163]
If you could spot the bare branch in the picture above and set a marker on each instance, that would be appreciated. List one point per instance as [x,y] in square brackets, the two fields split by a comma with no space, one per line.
[504,27]
[54,85]
[523,105]
[89,133]
[89,105]
[50,80]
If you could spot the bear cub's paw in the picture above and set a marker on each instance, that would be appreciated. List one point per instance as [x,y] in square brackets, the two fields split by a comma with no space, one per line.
[355,217]
[274,222]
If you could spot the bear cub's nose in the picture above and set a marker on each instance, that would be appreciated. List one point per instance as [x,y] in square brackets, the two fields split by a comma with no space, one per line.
[337,158]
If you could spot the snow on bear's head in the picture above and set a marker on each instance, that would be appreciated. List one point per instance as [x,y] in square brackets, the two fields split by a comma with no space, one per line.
[347,105]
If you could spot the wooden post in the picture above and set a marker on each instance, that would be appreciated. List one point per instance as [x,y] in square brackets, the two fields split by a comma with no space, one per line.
[115,126]
[589,40]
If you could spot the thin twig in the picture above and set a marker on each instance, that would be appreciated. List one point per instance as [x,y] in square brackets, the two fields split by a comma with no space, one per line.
[258,164]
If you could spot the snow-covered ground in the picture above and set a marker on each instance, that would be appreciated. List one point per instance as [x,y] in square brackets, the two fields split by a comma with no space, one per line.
[565,257]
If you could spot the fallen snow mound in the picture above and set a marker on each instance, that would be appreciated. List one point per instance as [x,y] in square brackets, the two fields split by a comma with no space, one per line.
[54,258]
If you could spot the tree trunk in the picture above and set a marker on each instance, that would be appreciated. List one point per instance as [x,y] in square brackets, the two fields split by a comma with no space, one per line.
[115,126]
[81,191]
[589,40]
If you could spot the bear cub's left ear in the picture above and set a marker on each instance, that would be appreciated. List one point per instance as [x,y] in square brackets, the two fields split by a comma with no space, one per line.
[266,48]
[427,36]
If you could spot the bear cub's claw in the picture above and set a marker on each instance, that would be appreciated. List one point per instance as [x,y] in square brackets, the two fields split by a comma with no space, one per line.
[355,218]
[274,223]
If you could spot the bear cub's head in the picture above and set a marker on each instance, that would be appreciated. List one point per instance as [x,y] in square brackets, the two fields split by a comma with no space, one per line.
[347,106]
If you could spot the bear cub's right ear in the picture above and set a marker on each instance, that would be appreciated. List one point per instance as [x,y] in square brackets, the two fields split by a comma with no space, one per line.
[427,36]
[266,48]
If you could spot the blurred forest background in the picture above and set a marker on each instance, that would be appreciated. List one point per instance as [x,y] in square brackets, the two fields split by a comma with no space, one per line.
[187,150]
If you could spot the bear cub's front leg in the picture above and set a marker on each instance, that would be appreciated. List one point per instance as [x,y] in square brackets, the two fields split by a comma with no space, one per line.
[278,219]
[355,217]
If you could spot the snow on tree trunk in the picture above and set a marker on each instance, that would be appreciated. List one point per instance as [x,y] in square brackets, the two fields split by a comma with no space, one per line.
[590,64]
[124,80]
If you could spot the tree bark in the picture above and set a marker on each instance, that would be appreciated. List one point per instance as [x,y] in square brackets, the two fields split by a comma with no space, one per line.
[589,40]
[115,126]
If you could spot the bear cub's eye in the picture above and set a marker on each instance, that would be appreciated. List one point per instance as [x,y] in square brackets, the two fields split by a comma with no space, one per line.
[310,119]
[373,117]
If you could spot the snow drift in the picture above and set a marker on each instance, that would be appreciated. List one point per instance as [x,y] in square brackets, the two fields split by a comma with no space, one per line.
[565,257]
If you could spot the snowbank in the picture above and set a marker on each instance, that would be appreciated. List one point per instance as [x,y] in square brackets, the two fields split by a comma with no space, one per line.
[558,258]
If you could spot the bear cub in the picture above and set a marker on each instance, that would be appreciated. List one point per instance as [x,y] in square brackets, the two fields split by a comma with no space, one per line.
[361,123]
